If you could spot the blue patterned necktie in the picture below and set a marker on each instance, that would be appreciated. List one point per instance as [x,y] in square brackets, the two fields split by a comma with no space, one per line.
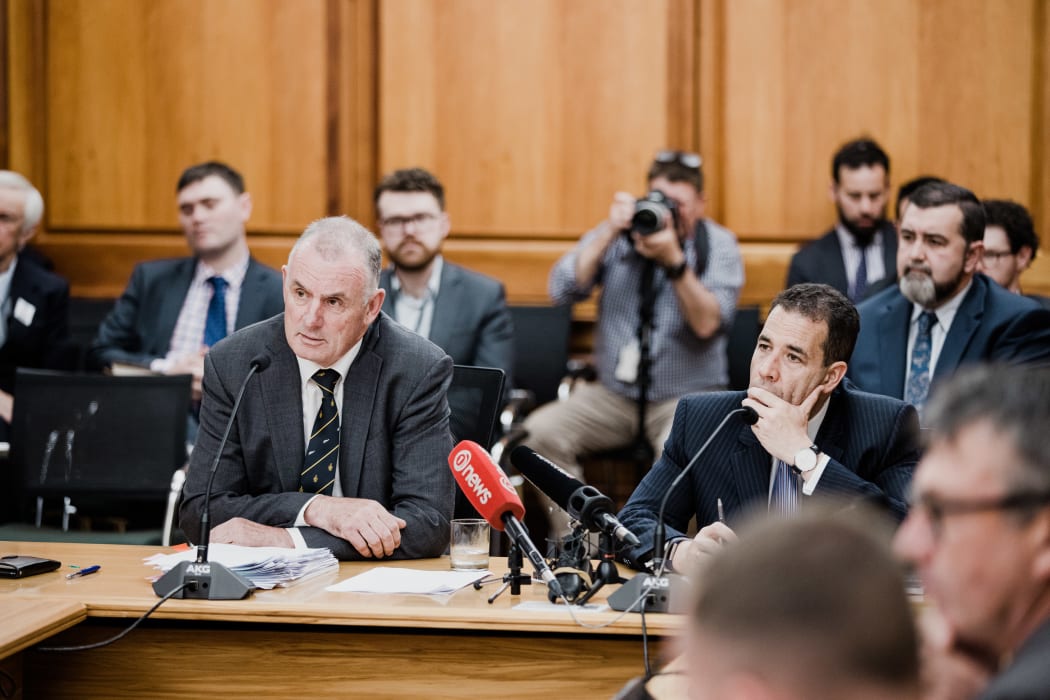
[919,377]
[860,279]
[784,498]
[322,451]
[215,325]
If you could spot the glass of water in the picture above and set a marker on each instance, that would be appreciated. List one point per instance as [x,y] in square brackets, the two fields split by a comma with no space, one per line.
[469,550]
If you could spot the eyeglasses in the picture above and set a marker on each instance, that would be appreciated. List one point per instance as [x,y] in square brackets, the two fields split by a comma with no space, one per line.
[937,509]
[992,257]
[400,223]
[683,158]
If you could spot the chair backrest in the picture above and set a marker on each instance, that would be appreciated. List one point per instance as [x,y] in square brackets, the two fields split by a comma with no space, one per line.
[474,399]
[743,335]
[119,437]
[85,316]
[541,348]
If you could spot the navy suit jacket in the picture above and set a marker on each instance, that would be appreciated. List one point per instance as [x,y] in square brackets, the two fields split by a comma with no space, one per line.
[872,442]
[44,342]
[393,448]
[991,324]
[821,261]
[471,321]
[139,328]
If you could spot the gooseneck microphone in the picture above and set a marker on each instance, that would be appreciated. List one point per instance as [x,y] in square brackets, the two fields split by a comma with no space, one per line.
[654,591]
[593,509]
[203,579]
[490,492]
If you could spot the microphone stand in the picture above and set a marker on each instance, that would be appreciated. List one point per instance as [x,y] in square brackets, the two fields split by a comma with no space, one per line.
[607,572]
[513,579]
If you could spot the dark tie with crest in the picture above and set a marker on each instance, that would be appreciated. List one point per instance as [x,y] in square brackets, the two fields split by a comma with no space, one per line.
[322,450]
[215,323]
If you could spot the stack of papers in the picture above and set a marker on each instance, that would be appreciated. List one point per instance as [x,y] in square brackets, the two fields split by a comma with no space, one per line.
[387,579]
[265,567]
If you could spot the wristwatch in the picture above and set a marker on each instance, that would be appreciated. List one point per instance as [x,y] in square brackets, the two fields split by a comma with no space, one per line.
[806,459]
[675,272]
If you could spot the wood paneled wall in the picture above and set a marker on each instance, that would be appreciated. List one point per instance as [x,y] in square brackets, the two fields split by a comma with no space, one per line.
[533,112]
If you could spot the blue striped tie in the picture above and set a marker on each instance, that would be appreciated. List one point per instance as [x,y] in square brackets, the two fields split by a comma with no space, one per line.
[215,325]
[784,499]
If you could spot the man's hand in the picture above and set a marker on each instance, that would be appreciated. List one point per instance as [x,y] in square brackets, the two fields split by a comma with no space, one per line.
[369,527]
[781,426]
[7,405]
[192,364]
[689,556]
[662,247]
[250,534]
[621,211]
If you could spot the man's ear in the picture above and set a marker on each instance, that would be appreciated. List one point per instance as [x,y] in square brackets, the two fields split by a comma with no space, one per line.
[974,253]
[24,236]
[833,375]
[1024,257]
[375,304]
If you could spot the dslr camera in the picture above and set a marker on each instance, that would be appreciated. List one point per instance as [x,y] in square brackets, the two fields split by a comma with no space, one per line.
[654,212]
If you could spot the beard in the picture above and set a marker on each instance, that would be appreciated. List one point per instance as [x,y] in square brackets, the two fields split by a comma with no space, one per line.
[415,260]
[863,233]
[918,286]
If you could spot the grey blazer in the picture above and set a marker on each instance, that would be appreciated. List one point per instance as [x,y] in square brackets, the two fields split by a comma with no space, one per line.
[139,328]
[471,320]
[394,442]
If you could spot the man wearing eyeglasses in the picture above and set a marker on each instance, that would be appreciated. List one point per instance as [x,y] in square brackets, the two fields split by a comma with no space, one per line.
[978,531]
[462,312]
[697,275]
[1010,245]
[943,314]
[857,256]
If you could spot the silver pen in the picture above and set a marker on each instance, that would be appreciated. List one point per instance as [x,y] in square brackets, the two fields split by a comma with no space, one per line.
[721,512]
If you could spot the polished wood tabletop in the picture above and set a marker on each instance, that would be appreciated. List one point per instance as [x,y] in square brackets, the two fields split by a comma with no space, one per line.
[28,621]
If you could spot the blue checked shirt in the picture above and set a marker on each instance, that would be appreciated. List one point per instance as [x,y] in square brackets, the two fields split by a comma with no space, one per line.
[682,363]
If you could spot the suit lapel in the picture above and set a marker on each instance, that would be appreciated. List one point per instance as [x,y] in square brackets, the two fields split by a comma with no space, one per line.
[889,251]
[249,308]
[751,466]
[171,302]
[285,412]
[833,434]
[446,305]
[834,264]
[359,392]
[966,322]
[893,321]
[21,288]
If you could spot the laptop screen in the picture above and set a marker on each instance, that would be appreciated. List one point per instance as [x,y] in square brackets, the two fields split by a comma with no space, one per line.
[93,433]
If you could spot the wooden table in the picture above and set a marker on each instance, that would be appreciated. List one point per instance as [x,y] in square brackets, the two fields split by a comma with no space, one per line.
[304,641]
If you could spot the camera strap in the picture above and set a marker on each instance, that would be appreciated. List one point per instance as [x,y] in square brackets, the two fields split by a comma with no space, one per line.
[702,246]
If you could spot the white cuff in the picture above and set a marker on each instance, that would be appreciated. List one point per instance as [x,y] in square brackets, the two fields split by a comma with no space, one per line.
[297,537]
[300,520]
[159,365]
[810,484]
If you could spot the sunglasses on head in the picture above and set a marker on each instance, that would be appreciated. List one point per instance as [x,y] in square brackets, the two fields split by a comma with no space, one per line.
[683,158]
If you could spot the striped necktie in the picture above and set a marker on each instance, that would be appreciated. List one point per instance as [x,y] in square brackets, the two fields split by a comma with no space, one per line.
[784,498]
[322,450]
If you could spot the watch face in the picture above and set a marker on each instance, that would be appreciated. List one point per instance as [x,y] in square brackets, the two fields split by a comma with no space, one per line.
[806,459]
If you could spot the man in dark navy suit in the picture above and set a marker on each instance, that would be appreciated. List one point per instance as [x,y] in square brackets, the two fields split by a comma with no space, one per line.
[816,435]
[857,256]
[943,314]
[34,323]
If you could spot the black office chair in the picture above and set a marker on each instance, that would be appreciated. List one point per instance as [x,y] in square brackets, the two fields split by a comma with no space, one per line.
[111,443]
[474,399]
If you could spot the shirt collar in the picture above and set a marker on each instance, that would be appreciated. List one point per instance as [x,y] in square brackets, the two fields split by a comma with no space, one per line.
[307,368]
[433,284]
[234,275]
[813,427]
[946,311]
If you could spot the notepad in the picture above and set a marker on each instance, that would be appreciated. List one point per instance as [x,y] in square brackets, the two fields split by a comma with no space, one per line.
[388,579]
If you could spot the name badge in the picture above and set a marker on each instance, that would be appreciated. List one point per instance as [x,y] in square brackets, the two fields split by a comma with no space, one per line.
[24,312]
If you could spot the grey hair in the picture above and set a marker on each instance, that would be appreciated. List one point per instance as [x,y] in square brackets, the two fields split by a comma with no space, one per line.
[335,236]
[1014,401]
[33,209]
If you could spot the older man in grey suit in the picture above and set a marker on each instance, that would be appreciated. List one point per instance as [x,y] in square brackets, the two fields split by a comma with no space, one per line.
[342,441]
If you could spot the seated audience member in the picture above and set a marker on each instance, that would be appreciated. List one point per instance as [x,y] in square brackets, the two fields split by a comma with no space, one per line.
[1010,245]
[697,275]
[34,331]
[172,311]
[857,256]
[943,314]
[462,312]
[809,607]
[342,441]
[905,191]
[978,532]
[816,435]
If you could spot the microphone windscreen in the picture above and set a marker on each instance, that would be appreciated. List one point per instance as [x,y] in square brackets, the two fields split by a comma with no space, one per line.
[545,475]
[485,485]
[260,361]
[749,415]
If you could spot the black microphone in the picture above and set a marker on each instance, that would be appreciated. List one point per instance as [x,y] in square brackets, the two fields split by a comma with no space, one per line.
[593,509]
[202,579]
[658,587]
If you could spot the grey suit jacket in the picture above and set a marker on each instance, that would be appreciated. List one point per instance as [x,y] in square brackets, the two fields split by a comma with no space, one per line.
[471,320]
[821,261]
[991,324]
[394,442]
[139,328]
[873,443]
[1026,678]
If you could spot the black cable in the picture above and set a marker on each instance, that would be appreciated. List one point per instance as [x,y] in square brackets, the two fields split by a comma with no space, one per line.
[645,645]
[121,635]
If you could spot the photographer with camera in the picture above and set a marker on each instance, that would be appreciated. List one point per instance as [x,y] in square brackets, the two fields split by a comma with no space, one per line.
[669,285]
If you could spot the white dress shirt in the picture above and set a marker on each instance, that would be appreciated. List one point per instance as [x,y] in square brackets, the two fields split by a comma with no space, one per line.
[851,253]
[417,314]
